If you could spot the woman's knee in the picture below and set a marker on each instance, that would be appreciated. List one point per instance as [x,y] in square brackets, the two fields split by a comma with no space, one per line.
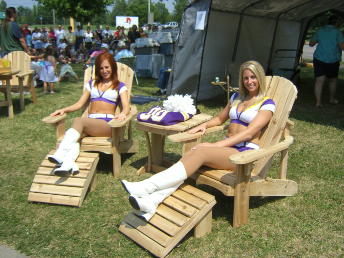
[199,151]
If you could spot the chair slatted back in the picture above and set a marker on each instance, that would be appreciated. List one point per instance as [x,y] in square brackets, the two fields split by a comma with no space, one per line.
[21,61]
[125,74]
[284,93]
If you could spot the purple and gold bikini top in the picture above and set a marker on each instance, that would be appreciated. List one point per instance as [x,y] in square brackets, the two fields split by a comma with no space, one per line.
[246,116]
[110,96]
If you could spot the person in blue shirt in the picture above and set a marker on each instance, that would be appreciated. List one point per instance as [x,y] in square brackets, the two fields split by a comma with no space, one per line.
[327,57]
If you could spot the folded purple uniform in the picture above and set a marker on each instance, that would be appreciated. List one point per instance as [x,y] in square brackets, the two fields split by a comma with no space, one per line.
[160,116]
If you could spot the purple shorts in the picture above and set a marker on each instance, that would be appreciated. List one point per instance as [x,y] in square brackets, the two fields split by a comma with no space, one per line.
[244,146]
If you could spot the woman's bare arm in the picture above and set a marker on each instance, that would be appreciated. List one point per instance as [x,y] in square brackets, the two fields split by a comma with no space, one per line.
[221,117]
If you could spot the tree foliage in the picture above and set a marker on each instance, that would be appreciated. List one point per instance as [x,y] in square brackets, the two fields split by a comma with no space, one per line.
[179,6]
[138,8]
[161,13]
[3,6]
[81,10]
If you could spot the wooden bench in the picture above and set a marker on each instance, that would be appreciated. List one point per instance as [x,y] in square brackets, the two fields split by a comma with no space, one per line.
[185,209]
[70,190]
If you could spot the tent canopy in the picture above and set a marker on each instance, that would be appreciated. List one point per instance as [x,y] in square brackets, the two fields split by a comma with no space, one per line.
[269,31]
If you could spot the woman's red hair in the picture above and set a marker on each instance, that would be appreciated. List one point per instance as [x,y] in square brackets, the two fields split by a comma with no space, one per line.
[106,56]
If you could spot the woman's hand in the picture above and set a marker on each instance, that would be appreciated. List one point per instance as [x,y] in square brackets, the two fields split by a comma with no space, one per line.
[121,116]
[58,112]
[201,128]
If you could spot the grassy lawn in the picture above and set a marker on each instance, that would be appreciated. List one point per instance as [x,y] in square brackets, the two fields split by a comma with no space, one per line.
[309,224]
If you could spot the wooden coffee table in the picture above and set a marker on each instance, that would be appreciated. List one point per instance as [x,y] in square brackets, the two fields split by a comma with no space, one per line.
[155,139]
[7,76]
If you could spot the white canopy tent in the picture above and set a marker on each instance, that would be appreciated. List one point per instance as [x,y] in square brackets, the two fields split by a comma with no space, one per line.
[269,31]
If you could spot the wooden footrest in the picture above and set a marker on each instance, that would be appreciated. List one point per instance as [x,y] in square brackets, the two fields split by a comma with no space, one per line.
[70,190]
[185,209]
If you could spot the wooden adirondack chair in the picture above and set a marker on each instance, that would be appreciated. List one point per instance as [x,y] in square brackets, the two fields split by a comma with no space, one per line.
[23,80]
[250,177]
[117,144]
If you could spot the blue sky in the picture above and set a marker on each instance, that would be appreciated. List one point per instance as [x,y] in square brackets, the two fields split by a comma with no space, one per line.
[30,3]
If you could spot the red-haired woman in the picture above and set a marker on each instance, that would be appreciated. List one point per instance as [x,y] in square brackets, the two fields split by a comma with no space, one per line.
[104,94]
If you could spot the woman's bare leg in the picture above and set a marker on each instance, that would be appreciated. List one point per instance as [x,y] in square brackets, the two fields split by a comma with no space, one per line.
[214,157]
[45,87]
[92,126]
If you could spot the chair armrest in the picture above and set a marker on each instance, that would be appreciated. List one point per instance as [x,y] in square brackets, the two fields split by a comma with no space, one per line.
[23,74]
[253,155]
[116,123]
[53,119]
[185,136]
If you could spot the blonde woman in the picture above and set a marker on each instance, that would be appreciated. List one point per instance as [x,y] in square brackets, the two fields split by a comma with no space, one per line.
[249,112]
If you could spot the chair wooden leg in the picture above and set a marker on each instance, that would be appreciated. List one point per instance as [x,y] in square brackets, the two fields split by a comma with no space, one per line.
[32,90]
[157,142]
[9,99]
[116,156]
[204,226]
[242,195]
[21,94]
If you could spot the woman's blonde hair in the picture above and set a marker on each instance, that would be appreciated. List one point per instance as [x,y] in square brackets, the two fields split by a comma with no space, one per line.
[258,70]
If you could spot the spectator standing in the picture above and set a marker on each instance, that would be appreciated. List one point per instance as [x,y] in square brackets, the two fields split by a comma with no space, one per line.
[142,33]
[12,38]
[60,34]
[107,34]
[28,39]
[70,37]
[37,39]
[88,38]
[98,33]
[326,58]
[44,33]
[25,30]
[133,34]
[79,37]
[51,36]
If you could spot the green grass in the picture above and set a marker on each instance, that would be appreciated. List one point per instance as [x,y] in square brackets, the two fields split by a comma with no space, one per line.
[309,224]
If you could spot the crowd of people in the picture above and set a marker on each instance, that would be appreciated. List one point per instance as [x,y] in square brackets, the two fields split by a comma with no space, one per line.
[48,47]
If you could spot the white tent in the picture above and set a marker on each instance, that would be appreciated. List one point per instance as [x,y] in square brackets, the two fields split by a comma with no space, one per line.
[269,31]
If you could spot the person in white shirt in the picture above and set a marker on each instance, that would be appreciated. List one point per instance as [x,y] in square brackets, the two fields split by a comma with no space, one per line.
[62,45]
[88,38]
[37,39]
[79,34]
[60,34]
[107,33]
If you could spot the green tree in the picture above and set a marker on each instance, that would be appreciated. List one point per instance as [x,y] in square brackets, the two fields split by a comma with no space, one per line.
[161,13]
[81,10]
[179,6]
[119,8]
[3,6]
[138,8]
[25,15]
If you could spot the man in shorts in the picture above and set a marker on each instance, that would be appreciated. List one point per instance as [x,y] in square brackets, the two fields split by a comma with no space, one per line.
[327,57]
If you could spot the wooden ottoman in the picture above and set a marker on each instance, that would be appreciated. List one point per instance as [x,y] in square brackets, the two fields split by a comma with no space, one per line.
[70,190]
[185,209]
